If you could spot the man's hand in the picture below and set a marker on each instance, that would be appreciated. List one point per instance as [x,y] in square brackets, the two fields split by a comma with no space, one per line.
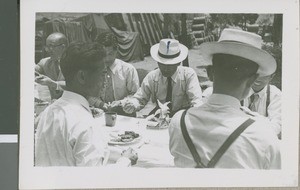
[130,105]
[44,80]
[131,155]
[116,103]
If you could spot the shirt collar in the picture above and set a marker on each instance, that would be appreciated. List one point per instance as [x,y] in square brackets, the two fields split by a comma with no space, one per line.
[76,98]
[222,99]
[113,67]
[174,76]
[260,93]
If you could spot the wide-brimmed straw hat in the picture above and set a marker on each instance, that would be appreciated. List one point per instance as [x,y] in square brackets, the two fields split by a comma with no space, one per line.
[169,52]
[243,44]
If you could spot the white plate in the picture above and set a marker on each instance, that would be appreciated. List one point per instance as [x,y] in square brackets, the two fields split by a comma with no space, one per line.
[153,125]
[114,135]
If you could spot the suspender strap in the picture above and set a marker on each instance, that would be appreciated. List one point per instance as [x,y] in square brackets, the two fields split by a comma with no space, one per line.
[228,142]
[232,137]
[268,99]
[189,142]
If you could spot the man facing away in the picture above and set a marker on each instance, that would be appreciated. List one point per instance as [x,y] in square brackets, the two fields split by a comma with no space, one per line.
[48,71]
[237,62]
[263,99]
[170,82]
[122,77]
[66,134]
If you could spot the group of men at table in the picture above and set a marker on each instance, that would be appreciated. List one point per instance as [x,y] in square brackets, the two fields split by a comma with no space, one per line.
[213,132]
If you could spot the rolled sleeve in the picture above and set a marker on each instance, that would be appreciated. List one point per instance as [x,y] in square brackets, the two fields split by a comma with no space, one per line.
[132,81]
[144,92]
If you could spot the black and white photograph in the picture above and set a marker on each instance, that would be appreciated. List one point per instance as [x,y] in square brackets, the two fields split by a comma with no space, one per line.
[138,97]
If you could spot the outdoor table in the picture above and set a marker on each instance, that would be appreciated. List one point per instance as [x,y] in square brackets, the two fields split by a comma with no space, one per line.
[152,148]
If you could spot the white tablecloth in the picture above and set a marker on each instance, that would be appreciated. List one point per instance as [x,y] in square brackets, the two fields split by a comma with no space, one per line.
[152,148]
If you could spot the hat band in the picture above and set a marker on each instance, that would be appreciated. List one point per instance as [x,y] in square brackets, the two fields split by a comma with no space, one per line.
[240,43]
[168,56]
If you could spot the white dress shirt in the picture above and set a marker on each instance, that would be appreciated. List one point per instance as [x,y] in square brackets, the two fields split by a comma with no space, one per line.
[67,135]
[210,125]
[273,111]
[125,80]
[186,91]
[51,69]
[274,108]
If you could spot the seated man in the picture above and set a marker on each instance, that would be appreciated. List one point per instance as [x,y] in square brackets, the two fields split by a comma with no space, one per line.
[199,137]
[122,77]
[265,99]
[170,83]
[66,134]
[48,71]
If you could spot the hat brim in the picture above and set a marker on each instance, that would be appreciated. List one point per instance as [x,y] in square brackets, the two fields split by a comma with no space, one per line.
[183,54]
[266,63]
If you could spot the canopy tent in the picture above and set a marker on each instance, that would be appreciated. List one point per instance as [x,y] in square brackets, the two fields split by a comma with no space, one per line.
[130,47]
[86,28]
[74,30]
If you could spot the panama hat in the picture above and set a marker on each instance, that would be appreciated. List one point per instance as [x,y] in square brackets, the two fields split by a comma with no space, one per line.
[243,44]
[169,52]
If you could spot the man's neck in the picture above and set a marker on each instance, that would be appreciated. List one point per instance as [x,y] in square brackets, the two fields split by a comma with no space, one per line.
[258,91]
[236,92]
[76,90]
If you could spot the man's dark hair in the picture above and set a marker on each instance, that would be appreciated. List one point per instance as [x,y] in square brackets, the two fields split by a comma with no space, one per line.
[107,39]
[233,68]
[80,56]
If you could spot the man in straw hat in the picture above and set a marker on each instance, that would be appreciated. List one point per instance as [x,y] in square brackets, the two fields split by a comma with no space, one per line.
[170,83]
[218,133]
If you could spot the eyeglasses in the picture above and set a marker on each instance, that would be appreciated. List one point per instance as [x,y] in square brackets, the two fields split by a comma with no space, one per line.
[52,46]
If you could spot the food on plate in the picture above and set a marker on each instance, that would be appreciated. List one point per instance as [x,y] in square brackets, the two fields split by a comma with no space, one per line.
[161,119]
[127,136]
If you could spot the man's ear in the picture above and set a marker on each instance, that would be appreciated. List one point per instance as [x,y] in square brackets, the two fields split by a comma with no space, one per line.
[272,76]
[81,77]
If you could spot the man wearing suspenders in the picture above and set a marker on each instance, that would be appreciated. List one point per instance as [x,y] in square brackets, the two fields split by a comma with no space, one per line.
[265,99]
[218,134]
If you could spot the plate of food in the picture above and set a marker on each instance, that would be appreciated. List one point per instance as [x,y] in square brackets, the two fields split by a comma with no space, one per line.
[123,138]
[154,122]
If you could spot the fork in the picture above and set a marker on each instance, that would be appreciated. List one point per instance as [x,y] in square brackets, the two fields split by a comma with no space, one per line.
[147,141]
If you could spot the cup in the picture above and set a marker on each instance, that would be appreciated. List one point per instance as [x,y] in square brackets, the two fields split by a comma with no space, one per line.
[110,118]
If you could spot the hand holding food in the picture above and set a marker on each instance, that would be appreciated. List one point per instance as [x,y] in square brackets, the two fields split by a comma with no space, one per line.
[130,105]
[161,119]
[44,80]
[96,111]
[131,155]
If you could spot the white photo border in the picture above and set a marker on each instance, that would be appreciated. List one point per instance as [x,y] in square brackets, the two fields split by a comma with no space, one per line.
[31,177]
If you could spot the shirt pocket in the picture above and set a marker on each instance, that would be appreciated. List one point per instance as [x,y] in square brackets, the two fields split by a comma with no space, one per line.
[179,95]
[120,87]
